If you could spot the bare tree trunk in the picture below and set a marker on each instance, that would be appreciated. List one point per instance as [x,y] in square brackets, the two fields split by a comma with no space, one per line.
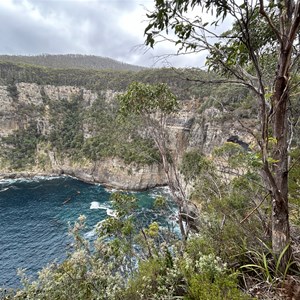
[288,28]
[170,172]
[280,212]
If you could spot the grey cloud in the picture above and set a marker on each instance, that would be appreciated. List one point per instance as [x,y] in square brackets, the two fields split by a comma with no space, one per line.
[27,36]
[75,26]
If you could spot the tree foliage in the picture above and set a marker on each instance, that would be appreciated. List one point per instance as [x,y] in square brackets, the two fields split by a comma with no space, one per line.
[146,99]
[71,61]
[154,104]
[102,80]
[67,127]
[260,51]
[21,147]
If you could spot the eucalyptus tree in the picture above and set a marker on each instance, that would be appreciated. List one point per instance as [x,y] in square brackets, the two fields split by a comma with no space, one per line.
[153,104]
[260,51]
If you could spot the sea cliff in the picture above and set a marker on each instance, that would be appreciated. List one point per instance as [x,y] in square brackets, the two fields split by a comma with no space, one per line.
[50,115]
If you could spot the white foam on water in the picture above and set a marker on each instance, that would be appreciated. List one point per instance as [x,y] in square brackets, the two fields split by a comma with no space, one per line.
[95,205]
[93,232]
[164,190]
[154,194]
[40,177]
[98,225]
[110,190]
[134,192]
[90,233]
[10,181]
[111,212]
[161,191]
[103,207]
[7,181]
[5,189]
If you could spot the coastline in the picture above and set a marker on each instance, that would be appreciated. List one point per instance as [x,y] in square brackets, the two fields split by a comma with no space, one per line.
[84,177]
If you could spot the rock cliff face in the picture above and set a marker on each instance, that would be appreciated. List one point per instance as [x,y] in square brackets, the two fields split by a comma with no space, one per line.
[212,128]
[193,128]
[188,129]
[8,121]
[30,104]
[116,174]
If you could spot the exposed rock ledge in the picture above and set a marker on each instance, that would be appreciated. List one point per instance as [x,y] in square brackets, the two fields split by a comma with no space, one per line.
[114,173]
[111,173]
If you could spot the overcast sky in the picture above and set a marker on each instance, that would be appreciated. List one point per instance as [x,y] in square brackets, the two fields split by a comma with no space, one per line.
[109,28]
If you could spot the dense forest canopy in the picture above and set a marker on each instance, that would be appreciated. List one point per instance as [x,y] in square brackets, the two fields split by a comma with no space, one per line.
[71,61]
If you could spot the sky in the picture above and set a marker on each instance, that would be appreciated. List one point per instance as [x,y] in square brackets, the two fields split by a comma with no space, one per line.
[107,28]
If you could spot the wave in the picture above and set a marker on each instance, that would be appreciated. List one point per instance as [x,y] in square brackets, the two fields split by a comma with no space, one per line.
[10,181]
[93,232]
[6,187]
[112,190]
[154,194]
[97,205]
[90,233]
[161,191]
[40,177]
[111,212]
[36,187]
[164,190]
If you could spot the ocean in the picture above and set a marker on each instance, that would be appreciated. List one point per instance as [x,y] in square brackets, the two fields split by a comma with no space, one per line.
[35,215]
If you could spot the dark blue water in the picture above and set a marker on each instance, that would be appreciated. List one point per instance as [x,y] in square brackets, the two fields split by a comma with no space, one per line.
[34,217]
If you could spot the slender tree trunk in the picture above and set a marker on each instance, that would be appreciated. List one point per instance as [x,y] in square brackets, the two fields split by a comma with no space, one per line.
[170,170]
[280,211]
[288,29]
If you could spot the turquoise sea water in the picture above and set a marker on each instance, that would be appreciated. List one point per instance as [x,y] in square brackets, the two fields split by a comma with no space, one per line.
[34,217]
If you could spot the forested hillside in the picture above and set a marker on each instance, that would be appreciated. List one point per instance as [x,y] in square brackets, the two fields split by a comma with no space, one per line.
[98,80]
[71,61]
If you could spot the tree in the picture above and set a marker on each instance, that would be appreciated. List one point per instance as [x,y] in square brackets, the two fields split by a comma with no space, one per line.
[261,52]
[154,104]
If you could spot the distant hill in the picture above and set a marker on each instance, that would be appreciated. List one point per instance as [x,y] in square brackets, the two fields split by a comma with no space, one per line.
[71,61]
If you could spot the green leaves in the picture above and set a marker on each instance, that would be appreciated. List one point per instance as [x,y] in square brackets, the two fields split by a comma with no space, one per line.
[194,164]
[143,98]
[19,148]
[124,204]
[67,124]
[267,265]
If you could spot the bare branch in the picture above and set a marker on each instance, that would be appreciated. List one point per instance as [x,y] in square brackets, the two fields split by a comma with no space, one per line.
[255,208]
[295,25]
[269,20]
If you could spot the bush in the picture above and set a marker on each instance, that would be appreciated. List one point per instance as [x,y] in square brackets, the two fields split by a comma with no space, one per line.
[130,262]
[223,287]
